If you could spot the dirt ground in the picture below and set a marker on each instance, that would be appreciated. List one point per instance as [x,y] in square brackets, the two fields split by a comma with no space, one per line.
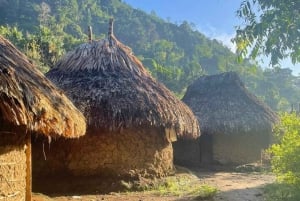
[232,186]
[235,186]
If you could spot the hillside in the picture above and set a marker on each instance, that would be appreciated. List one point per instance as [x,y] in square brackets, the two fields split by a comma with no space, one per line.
[176,54]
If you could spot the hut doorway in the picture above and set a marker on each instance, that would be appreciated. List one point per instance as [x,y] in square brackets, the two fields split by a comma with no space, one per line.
[206,149]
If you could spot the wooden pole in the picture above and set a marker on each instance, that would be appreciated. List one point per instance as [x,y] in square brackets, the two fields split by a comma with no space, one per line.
[28,188]
[90,33]
[110,30]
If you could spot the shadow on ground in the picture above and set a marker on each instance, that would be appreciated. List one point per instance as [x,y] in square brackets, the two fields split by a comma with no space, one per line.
[233,186]
[75,185]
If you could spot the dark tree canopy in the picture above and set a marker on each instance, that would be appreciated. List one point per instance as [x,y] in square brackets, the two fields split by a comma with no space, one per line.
[271,28]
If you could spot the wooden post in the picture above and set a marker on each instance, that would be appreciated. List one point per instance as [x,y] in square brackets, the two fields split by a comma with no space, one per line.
[90,33]
[28,188]
[110,30]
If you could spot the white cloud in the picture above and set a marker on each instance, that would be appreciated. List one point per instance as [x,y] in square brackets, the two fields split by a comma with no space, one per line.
[222,37]
[225,39]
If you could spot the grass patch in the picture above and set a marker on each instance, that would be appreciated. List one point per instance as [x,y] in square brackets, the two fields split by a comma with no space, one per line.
[184,183]
[184,186]
[282,192]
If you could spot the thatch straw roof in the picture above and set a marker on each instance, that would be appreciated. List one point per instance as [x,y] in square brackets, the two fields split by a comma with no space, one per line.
[31,101]
[223,105]
[114,90]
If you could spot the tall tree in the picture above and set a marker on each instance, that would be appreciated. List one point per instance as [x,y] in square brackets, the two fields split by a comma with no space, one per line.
[271,27]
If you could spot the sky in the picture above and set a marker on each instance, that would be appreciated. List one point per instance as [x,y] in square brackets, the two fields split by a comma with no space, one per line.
[214,18]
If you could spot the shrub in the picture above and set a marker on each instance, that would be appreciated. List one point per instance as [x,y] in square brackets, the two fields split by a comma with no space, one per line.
[286,159]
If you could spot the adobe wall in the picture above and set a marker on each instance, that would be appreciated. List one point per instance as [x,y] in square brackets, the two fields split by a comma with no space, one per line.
[131,152]
[239,149]
[12,169]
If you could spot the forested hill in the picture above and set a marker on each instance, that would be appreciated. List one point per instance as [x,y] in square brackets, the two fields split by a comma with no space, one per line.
[176,54]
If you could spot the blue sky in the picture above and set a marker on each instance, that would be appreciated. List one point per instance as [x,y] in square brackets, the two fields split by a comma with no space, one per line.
[214,18]
[204,14]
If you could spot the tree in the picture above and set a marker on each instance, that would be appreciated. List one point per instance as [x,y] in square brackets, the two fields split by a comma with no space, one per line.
[44,11]
[272,28]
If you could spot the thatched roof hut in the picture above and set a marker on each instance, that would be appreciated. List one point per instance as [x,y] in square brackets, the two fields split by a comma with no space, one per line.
[113,89]
[29,99]
[229,112]
[120,99]
[225,106]
[28,103]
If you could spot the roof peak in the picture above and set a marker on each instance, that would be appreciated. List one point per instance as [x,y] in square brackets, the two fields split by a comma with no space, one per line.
[110,31]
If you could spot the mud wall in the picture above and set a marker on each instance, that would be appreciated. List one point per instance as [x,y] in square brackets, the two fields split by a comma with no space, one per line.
[12,169]
[129,153]
[239,149]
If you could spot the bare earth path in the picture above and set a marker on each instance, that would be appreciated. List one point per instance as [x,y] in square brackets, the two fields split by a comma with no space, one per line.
[231,186]
[237,186]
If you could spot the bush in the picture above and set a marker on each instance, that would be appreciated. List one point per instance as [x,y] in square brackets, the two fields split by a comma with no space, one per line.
[286,159]
[286,152]
[282,192]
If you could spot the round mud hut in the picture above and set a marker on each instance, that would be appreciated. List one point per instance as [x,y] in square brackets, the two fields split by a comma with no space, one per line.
[29,103]
[235,125]
[132,119]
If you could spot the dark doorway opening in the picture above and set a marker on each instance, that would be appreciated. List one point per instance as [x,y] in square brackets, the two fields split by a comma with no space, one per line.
[206,149]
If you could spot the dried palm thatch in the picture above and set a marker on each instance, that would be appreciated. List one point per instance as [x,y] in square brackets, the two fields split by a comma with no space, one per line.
[29,100]
[114,91]
[224,106]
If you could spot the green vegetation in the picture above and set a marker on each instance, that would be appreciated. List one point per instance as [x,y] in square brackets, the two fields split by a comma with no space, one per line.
[286,152]
[281,192]
[270,28]
[175,54]
[184,186]
[286,160]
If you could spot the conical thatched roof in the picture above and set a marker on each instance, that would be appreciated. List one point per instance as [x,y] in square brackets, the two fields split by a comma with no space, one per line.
[29,100]
[114,91]
[223,105]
